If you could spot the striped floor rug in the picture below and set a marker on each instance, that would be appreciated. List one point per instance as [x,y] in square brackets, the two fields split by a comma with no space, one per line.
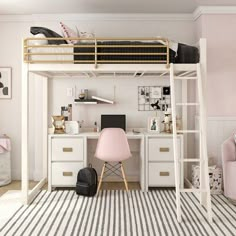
[113,213]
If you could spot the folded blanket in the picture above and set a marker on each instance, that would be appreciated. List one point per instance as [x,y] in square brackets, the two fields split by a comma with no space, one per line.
[5,144]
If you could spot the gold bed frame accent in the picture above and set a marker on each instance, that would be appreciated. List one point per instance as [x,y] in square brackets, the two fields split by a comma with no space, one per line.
[28,45]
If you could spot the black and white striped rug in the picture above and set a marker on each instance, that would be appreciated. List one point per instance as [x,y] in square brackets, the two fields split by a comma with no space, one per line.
[113,213]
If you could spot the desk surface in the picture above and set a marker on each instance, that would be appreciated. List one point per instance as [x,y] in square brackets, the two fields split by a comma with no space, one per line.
[130,135]
[95,135]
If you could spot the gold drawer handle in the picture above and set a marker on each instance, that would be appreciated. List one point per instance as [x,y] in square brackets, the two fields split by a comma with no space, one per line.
[164,149]
[67,149]
[164,173]
[66,173]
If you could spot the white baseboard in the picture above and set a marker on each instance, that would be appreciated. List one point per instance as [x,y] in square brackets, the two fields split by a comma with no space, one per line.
[37,176]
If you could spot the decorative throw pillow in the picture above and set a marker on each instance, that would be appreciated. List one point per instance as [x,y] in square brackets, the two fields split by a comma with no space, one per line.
[48,34]
[69,33]
[86,35]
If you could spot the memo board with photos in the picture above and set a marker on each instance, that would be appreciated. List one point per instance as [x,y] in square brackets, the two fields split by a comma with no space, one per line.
[154,98]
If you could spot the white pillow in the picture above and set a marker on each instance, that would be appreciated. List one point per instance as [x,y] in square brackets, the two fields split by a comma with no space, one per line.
[39,42]
[85,35]
[69,33]
[172,44]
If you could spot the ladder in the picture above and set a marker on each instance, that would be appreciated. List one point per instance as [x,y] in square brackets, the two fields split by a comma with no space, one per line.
[204,190]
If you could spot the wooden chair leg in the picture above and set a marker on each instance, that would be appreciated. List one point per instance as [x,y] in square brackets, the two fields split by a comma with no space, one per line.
[100,181]
[124,177]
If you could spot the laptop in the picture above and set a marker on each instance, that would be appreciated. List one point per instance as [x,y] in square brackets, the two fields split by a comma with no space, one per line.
[113,121]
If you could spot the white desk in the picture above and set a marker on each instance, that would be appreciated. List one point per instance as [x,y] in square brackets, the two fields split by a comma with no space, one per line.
[159,160]
[68,153]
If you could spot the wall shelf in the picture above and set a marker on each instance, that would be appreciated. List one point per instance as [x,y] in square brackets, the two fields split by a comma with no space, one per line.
[93,100]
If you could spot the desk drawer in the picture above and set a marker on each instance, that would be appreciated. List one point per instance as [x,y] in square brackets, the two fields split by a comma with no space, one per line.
[65,174]
[161,149]
[161,174]
[67,149]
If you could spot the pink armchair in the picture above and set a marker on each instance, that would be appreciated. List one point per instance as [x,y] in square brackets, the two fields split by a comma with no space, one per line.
[229,167]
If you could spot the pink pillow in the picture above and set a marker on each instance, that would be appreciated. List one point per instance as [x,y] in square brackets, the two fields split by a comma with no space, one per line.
[68,33]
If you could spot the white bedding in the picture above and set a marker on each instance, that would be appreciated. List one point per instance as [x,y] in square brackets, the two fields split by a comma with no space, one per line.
[52,57]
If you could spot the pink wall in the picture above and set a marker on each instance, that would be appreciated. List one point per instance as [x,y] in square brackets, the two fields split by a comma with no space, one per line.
[220,32]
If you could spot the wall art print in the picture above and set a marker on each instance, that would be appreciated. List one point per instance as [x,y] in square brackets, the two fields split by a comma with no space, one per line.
[5,83]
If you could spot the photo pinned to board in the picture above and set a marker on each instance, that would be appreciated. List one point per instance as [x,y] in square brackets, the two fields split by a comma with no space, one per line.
[153,98]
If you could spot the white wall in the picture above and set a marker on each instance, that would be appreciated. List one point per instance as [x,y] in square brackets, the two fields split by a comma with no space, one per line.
[10,110]
[123,90]
[10,50]
[220,34]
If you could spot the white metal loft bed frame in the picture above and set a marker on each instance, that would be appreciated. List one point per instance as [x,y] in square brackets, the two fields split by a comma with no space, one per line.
[58,68]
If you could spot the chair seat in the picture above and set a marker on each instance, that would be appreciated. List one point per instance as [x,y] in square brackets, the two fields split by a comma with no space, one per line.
[114,158]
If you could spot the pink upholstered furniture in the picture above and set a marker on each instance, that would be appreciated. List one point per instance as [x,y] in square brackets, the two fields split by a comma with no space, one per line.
[229,167]
[112,147]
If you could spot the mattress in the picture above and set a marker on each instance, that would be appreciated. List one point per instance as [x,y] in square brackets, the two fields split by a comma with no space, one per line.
[54,51]
[136,47]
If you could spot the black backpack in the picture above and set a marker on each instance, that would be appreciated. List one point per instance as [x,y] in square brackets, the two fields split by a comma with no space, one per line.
[87,179]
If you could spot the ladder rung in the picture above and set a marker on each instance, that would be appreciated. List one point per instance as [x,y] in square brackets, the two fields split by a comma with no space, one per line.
[185,77]
[191,160]
[187,104]
[192,190]
[187,131]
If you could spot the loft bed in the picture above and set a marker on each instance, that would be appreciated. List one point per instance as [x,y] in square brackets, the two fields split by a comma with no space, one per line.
[100,57]
[105,57]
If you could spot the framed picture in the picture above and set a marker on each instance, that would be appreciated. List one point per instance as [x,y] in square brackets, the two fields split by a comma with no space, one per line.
[58,123]
[5,83]
[154,124]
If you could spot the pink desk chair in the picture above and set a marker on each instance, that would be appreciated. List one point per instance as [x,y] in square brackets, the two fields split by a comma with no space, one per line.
[112,147]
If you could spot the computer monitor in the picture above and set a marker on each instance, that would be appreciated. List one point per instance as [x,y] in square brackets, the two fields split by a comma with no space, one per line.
[113,121]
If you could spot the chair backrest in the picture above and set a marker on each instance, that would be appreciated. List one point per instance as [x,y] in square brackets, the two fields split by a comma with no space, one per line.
[112,145]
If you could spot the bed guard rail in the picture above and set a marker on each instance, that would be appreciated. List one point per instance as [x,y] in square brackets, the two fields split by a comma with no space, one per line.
[98,51]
